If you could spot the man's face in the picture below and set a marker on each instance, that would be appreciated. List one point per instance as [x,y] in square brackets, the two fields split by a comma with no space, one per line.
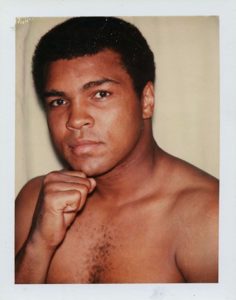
[94,115]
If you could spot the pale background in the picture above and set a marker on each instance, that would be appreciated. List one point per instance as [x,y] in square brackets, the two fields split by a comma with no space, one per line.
[186,121]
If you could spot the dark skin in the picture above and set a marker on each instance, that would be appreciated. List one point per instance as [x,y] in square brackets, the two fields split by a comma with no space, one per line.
[127,212]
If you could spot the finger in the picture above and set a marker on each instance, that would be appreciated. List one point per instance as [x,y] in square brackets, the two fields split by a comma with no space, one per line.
[69,203]
[79,174]
[57,186]
[57,176]
[92,184]
[60,201]
[73,173]
[76,201]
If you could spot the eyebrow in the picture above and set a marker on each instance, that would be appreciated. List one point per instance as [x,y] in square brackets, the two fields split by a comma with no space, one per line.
[53,93]
[86,86]
[94,83]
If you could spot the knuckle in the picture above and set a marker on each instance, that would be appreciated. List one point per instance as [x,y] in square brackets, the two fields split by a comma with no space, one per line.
[77,194]
[84,189]
[49,199]
[50,176]
[81,174]
[48,187]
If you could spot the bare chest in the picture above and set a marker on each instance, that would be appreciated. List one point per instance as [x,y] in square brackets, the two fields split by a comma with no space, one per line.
[115,250]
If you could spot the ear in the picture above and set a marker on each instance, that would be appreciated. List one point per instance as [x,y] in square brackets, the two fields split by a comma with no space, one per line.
[148,100]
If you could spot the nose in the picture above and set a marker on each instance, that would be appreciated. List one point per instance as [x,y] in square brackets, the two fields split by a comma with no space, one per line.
[79,117]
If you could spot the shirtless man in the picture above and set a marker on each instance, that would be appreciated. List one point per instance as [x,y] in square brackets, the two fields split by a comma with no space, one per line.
[124,211]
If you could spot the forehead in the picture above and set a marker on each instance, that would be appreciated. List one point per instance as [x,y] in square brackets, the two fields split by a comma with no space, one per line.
[104,64]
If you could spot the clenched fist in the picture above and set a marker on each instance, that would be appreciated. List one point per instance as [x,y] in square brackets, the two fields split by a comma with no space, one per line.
[63,195]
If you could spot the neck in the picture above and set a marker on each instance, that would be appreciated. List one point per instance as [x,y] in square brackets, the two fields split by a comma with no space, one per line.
[131,179]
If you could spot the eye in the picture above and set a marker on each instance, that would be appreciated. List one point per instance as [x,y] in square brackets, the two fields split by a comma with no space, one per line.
[57,102]
[102,94]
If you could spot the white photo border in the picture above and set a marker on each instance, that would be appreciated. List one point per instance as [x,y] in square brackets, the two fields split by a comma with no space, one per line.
[226,10]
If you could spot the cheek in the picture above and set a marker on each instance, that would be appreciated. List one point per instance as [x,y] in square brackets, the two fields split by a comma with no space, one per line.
[56,128]
[124,126]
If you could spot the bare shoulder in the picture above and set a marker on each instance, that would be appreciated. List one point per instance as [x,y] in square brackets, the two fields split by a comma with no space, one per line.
[196,216]
[195,189]
[24,209]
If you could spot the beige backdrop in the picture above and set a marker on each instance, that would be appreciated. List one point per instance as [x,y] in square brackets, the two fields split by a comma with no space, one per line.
[186,121]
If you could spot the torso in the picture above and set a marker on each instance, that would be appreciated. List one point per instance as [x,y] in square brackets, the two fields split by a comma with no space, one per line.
[147,240]
[105,246]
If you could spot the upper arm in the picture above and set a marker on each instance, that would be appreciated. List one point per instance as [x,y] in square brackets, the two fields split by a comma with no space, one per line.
[24,210]
[197,250]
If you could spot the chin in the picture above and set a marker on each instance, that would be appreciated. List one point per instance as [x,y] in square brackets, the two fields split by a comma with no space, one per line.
[91,170]
[93,166]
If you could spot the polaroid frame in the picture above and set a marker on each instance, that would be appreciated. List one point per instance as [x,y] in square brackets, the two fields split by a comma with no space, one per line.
[226,10]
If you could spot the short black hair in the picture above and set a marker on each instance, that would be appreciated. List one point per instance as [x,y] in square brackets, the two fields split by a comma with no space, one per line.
[81,36]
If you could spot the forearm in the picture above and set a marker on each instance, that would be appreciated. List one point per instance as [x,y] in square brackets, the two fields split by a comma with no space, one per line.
[32,263]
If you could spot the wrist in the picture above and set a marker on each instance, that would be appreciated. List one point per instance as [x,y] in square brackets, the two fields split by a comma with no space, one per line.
[37,244]
[32,261]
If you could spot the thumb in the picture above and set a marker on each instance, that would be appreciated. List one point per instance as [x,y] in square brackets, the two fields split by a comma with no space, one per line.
[93,184]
